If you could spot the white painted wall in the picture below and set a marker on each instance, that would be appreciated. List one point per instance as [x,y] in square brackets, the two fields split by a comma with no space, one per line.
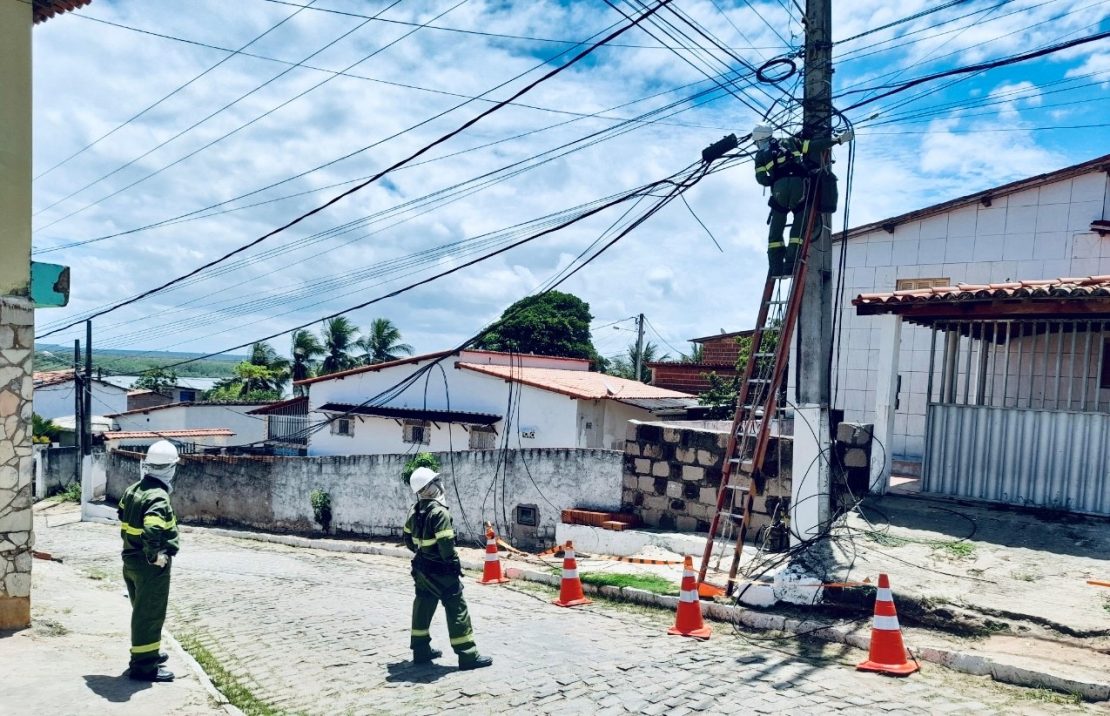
[56,401]
[1033,234]
[247,428]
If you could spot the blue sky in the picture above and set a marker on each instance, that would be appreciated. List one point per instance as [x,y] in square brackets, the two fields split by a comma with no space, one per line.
[930,143]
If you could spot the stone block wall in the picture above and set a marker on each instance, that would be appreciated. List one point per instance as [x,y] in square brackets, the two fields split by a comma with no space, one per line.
[672,474]
[17,339]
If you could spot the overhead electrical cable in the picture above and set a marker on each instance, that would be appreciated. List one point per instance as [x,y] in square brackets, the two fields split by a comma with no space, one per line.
[902,20]
[179,88]
[466,125]
[238,129]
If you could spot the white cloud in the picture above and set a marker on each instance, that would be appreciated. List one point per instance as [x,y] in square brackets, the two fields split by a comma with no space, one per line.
[90,77]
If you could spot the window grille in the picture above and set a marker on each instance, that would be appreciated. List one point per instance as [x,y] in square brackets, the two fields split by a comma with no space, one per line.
[416,431]
[916,284]
[483,437]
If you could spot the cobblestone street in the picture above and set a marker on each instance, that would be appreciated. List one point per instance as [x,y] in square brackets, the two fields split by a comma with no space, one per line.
[323,633]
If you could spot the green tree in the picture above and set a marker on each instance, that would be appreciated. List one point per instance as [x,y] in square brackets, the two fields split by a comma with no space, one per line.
[263,355]
[422,459]
[250,382]
[306,349]
[338,336]
[552,323]
[44,431]
[382,343]
[625,366]
[722,392]
[159,380]
[696,354]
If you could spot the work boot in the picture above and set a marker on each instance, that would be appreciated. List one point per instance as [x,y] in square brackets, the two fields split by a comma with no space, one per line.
[788,261]
[774,261]
[425,657]
[163,657]
[158,675]
[478,662]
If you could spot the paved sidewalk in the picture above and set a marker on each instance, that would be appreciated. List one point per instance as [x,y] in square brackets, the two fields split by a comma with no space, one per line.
[314,632]
[74,657]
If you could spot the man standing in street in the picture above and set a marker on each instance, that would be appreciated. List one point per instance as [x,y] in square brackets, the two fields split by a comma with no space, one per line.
[436,572]
[149,531]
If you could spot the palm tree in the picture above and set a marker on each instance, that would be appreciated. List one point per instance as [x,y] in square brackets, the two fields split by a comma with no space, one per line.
[264,356]
[338,336]
[306,349]
[625,366]
[382,343]
[696,354]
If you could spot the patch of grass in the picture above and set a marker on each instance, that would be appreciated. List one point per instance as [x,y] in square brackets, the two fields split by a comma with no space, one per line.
[955,550]
[647,582]
[887,540]
[70,493]
[1048,696]
[1025,575]
[233,690]
[49,627]
[1106,602]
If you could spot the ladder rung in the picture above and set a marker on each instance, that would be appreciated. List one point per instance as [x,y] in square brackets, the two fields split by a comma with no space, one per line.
[761,354]
[745,465]
[777,302]
[759,380]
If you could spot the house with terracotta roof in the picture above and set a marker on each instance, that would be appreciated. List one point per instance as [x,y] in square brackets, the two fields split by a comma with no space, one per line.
[974,335]
[475,400]
[54,395]
[233,417]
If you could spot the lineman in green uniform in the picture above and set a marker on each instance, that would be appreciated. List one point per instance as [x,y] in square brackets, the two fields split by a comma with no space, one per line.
[149,531]
[785,166]
[435,571]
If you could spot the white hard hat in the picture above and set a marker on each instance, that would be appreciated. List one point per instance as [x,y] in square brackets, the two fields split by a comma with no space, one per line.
[761,132]
[162,454]
[421,478]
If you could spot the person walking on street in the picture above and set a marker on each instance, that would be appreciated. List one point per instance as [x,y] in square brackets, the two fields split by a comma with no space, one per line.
[149,530]
[436,572]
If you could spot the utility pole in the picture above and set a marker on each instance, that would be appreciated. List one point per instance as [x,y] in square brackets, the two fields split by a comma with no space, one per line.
[86,424]
[810,498]
[639,346]
[815,320]
[78,410]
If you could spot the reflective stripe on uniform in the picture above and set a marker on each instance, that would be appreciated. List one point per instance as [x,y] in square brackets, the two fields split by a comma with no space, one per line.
[407,530]
[570,574]
[775,244]
[155,521]
[464,639]
[886,623]
[424,542]
[795,240]
[146,647]
[420,632]
[805,146]
[131,530]
[445,534]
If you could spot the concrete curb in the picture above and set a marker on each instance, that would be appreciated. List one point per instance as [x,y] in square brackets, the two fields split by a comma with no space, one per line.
[202,676]
[974,664]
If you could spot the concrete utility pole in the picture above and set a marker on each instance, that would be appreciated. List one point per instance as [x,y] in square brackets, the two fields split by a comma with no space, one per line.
[810,497]
[815,320]
[86,422]
[639,346]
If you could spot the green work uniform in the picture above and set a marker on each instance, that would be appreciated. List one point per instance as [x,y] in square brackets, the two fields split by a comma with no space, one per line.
[148,527]
[436,572]
[786,166]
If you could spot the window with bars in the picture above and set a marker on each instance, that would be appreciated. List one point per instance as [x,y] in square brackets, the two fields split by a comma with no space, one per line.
[343,426]
[416,431]
[916,284]
[483,437]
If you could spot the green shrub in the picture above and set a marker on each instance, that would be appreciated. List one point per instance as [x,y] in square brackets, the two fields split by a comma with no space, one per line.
[71,492]
[321,508]
[424,459]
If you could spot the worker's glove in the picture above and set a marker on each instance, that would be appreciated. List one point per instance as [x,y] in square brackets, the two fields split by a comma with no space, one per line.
[457,564]
[845,136]
[161,560]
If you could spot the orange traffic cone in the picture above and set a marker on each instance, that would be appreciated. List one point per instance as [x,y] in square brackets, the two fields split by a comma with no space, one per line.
[570,592]
[491,572]
[688,620]
[888,653]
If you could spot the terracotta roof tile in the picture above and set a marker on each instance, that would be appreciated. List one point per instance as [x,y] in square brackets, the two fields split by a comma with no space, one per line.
[1072,287]
[46,9]
[146,434]
[576,383]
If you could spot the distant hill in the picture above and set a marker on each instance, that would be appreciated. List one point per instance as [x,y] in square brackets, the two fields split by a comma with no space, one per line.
[50,356]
